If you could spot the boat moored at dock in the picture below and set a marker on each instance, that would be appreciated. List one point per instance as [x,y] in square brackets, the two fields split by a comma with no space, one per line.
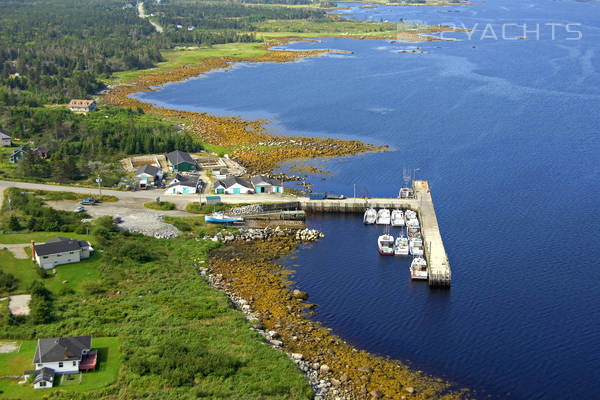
[385,245]
[401,246]
[418,269]
[370,216]
[397,218]
[383,217]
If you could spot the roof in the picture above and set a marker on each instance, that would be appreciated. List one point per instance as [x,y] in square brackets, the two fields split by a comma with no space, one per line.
[81,103]
[43,374]
[58,245]
[191,181]
[263,180]
[232,180]
[4,135]
[147,169]
[19,150]
[61,349]
[177,157]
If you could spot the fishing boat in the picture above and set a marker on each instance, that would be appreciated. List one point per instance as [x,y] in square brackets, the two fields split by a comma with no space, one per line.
[416,247]
[418,268]
[370,216]
[383,217]
[385,244]
[220,218]
[405,193]
[401,246]
[397,218]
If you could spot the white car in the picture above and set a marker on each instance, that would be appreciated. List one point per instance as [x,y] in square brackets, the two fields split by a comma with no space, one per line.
[79,209]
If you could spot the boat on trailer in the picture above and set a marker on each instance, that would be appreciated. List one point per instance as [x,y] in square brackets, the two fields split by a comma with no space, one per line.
[383,217]
[370,216]
[418,268]
[397,218]
[385,245]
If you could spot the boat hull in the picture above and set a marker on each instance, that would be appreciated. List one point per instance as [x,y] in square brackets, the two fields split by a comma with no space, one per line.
[221,221]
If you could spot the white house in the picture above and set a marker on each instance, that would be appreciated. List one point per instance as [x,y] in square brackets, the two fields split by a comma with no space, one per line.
[184,184]
[60,356]
[4,139]
[82,105]
[60,250]
[262,184]
[233,185]
[146,175]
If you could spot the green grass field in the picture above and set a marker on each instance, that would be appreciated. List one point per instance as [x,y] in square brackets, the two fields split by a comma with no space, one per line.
[109,362]
[162,205]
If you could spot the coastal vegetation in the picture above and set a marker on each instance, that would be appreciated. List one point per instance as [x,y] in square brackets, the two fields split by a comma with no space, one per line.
[160,205]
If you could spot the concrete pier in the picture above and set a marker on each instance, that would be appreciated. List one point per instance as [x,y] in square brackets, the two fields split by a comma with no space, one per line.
[438,266]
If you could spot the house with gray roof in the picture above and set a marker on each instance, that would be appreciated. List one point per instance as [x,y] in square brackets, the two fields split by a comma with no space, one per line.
[60,250]
[4,139]
[233,185]
[263,184]
[146,175]
[180,161]
[184,184]
[61,356]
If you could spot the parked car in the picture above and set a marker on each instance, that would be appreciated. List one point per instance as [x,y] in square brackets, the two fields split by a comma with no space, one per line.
[79,209]
[117,220]
[88,201]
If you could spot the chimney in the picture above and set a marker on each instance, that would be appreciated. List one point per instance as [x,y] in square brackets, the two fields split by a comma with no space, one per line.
[33,250]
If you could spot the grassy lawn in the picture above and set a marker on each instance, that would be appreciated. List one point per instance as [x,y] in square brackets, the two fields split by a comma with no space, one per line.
[14,238]
[62,195]
[15,363]
[26,272]
[161,205]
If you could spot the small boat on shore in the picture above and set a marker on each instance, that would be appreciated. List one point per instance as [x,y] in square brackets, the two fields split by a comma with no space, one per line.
[401,246]
[220,218]
[370,216]
[397,218]
[385,245]
[383,217]
[418,268]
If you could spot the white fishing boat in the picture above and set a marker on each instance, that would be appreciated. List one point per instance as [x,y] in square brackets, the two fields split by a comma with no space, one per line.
[385,245]
[410,214]
[383,217]
[401,246]
[405,193]
[418,268]
[416,250]
[397,218]
[370,216]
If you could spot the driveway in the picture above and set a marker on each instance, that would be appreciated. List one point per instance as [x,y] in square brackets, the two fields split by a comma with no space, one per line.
[18,250]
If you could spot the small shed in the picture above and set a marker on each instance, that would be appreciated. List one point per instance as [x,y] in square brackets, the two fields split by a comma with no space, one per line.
[43,378]
[4,139]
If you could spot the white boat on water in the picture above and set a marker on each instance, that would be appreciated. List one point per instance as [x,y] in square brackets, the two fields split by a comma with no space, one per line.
[416,250]
[370,216]
[401,246]
[418,268]
[397,218]
[385,245]
[410,214]
[383,217]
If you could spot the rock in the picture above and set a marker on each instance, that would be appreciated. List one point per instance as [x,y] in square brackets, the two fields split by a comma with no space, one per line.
[299,294]
[410,389]
[273,334]
[297,356]
[344,377]
[376,394]
[276,343]
[365,369]
[324,369]
[335,382]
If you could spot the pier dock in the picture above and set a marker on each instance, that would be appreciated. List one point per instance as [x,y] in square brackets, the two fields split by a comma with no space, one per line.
[438,266]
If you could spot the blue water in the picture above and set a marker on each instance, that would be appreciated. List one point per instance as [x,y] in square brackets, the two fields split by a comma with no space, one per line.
[507,133]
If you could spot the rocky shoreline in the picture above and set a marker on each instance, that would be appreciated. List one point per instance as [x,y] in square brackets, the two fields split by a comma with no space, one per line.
[279,312]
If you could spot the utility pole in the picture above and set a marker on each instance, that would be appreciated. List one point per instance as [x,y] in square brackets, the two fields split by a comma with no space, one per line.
[99,181]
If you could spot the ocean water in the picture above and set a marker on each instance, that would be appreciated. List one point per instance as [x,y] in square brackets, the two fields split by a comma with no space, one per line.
[508,134]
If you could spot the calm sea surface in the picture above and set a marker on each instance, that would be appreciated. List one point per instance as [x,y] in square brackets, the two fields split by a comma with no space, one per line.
[508,134]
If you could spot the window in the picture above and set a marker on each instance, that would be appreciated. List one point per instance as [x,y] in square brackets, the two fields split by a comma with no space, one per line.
[74,363]
[42,383]
[60,364]
[40,365]
[45,257]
